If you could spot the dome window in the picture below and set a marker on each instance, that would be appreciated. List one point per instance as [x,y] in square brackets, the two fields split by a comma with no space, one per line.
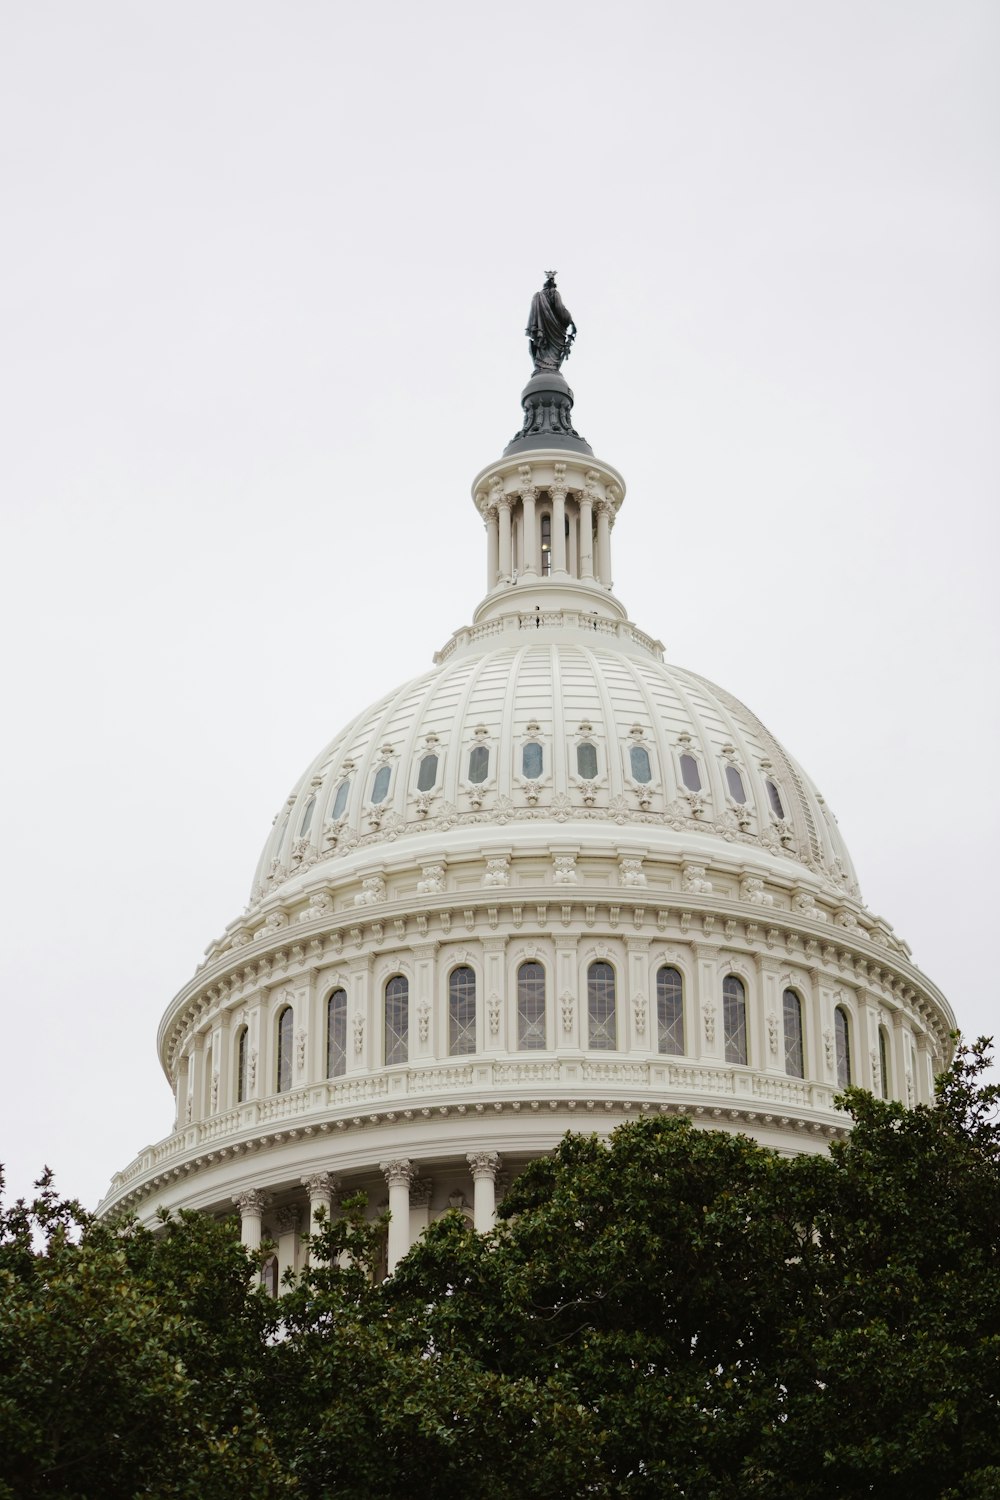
[884,1081]
[242,1079]
[792,1015]
[461,1012]
[774,797]
[283,1071]
[602,1024]
[734,781]
[479,764]
[340,801]
[842,1035]
[427,775]
[380,786]
[734,1020]
[642,771]
[690,774]
[336,1034]
[670,1011]
[307,817]
[546,545]
[532,760]
[531,1008]
[586,760]
[397,1020]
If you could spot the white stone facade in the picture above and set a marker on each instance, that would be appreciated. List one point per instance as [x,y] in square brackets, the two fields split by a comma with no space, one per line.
[551,795]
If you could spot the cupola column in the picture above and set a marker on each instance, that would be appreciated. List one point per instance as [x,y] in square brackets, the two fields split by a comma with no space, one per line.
[503,508]
[485,1165]
[492,547]
[558,492]
[251,1207]
[604,542]
[586,535]
[529,524]
[398,1174]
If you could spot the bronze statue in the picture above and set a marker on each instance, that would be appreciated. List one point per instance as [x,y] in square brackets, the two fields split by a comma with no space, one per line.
[550,329]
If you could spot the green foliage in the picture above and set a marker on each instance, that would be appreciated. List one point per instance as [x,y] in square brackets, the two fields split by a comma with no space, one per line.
[666,1312]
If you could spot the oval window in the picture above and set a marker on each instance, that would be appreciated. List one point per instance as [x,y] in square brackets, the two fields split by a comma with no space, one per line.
[427,774]
[531,761]
[734,781]
[380,786]
[774,797]
[340,801]
[586,760]
[689,773]
[307,817]
[641,770]
[479,764]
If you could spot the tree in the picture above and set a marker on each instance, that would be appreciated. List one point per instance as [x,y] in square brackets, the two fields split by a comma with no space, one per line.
[666,1312]
[130,1362]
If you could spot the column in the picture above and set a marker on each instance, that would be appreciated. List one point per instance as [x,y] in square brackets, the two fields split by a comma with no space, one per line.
[492,547]
[425,1031]
[503,508]
[222,1060]
[558,527]
[398,1174]
[586,535]
[638,1021]
[604,542]
[196,1079]
[900,1071]
[485,1165]
[529,526]
[494,1031]
[321,1187]
[251,1207]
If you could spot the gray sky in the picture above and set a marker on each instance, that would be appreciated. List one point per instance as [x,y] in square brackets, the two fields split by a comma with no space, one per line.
[264,272]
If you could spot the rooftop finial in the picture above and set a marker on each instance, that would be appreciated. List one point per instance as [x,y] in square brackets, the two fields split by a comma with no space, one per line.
[550,329]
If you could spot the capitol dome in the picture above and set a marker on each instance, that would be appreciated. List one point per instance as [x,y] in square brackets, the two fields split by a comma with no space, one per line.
[551,884]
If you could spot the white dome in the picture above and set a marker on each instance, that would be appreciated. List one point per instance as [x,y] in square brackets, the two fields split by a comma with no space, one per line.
[549,883]
[553,687]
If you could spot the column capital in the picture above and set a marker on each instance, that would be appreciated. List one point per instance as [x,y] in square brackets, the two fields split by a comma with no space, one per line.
[399,1172]
[321,1184]
[484,1164]
[252,1201]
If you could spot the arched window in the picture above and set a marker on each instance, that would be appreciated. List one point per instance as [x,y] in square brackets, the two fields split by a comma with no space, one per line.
[734,1019]
[427,775]
[269,1276]
[531,1008]
[283,1072]
[397,1020]
[340,801]
[792,1016]
[242,1078]
[380,786]
[774,797]
[586,760]
[531,760]
[307,817]
[842,1038]
[336,1034]
[670,1011]
[639,759]
[461,1012]
[546,545]
[479,764]
[885,1083]
[602,1024]
[690,774]
[734,781]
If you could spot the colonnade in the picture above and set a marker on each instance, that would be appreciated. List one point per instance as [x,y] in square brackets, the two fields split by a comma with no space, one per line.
[513,533]
[408,1191]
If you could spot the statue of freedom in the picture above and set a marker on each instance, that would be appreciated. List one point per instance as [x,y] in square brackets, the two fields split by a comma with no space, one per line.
[550,329]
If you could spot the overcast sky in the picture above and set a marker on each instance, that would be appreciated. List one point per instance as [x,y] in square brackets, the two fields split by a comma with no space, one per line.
[264,274]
